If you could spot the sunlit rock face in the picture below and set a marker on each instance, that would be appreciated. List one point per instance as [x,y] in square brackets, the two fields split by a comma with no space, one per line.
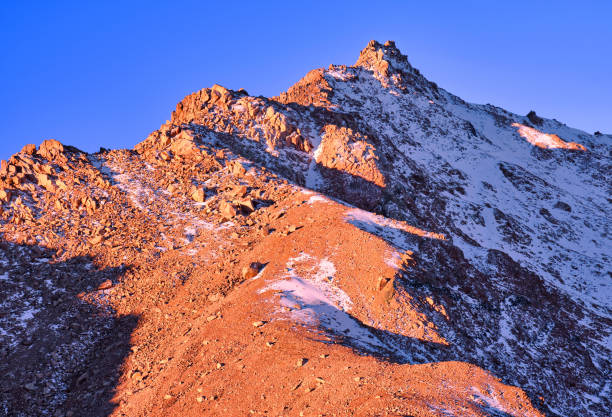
[365,243]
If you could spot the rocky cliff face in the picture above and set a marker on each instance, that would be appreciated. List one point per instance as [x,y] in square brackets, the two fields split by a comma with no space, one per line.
[365,243]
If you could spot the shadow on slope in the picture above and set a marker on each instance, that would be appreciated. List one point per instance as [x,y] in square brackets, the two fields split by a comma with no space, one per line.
[501,317]
[61,355]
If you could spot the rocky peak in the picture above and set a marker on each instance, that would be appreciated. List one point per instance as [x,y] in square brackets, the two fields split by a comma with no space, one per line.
[392,68]
[384,59]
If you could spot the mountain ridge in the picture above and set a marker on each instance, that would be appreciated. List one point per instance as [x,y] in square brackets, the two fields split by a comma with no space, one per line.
[365,212]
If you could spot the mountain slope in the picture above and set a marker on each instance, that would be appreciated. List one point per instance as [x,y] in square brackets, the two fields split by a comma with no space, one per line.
[364,243]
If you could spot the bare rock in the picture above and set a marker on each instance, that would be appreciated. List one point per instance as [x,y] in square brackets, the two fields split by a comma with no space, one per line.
[96,239]
[184,146]
[50,148]
[239,191]
[105,285]
[238,169]
[29,149]
[251,270]
[247,206]
[45,182]
[227,210]
[198,195]
[5,195]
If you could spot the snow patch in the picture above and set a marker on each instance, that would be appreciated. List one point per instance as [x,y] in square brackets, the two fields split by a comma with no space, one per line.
[316,198]
[310,298]
[396,233]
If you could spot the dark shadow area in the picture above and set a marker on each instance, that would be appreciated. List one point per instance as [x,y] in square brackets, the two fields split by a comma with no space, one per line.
[59,354]
[501,317]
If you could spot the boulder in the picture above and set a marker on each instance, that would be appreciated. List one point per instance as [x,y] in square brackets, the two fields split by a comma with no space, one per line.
[183,145]
[5,195]
[198,195]
[247,205]
[50,148]
[239,191]
[105,285]
[227,210]
[534,118]
[237,169]
[251,270]
[45,182]
[29,149]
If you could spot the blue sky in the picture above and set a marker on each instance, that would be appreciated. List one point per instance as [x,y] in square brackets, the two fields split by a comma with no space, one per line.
[108,73]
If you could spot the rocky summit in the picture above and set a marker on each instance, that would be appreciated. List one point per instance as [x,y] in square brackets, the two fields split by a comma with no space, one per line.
[364,244]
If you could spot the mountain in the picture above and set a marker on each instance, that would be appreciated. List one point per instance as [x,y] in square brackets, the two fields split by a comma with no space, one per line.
[365,243]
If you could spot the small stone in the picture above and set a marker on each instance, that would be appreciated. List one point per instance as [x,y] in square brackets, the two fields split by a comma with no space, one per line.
[269,344]
[105,285]
[30,386]
[29,149]
[258,323]
[199,398]
[227,210]
[247,206]
[167,397]
[251,271]
[239,191]
[198,195]
[4,195]
[220,365]
[382,282]
[95,240]
[301,362]
[238,170]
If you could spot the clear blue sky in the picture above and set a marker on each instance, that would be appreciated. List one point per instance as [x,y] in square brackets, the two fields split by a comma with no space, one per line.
[107,73]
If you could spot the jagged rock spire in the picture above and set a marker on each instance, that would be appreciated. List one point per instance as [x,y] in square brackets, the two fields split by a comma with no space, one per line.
[383,58]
